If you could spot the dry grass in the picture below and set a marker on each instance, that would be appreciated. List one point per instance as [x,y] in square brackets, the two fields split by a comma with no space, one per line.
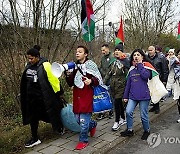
[13,135]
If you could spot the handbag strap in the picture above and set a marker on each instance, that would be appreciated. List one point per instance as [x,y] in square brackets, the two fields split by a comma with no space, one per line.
[80,70]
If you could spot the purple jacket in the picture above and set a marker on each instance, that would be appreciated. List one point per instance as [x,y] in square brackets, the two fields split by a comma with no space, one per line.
[136,86]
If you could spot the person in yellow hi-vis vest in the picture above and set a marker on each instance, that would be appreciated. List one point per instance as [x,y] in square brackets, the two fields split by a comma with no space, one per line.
[40,94]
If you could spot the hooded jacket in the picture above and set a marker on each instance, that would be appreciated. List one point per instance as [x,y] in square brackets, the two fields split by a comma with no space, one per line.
[136,85]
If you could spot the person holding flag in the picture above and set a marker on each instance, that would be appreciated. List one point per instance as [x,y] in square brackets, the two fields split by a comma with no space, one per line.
[137,92]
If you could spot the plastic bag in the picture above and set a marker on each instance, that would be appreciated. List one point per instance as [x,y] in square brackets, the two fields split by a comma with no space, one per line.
[68,119]
[157,89]
[102,101]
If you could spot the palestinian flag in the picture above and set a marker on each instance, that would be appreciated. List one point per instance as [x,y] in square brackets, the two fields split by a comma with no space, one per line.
[148,66]
[178,31]
[120,34]
[87,20]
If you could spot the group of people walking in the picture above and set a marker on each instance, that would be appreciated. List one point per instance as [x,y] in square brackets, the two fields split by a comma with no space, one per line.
[126,76]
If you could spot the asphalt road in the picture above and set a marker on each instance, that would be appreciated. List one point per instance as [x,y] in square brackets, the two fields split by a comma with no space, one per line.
[165,137]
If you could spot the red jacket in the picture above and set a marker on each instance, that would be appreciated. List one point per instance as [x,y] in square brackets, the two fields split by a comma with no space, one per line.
[82,98]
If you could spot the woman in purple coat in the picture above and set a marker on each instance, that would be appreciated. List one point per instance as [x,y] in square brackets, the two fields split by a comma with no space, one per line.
[137,92]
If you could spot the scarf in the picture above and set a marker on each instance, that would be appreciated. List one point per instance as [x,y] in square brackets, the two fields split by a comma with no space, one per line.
[88,67]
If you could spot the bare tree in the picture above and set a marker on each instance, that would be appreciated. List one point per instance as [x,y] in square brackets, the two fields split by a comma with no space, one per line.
[24,23]
[146,20]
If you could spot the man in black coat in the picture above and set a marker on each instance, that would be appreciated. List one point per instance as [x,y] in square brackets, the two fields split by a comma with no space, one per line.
[160,63]
[40,96]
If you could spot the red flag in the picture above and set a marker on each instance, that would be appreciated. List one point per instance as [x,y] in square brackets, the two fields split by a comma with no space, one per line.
[178,31]
[120,35]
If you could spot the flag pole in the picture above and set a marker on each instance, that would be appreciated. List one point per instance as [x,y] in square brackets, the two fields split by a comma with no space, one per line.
[90,45]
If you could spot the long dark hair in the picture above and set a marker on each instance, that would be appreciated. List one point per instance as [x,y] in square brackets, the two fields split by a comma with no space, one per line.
[145,57]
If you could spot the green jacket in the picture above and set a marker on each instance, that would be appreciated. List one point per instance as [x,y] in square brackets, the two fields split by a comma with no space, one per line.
[117,77]
[106,60]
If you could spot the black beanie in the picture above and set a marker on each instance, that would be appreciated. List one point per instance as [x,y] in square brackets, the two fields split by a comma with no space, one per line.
[119,47]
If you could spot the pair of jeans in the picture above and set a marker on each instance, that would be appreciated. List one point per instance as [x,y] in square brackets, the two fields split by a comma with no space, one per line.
[143,105]
[86,124]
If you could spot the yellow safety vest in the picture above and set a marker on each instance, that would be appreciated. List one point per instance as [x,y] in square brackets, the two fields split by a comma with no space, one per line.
[54,81]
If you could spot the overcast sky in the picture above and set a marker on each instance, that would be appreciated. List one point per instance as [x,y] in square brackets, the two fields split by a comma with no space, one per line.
[116,10]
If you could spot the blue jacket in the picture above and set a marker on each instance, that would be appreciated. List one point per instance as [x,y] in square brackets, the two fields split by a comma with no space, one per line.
[136,86]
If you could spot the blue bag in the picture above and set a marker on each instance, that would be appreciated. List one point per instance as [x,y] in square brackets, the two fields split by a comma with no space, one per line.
[68,119]
[102,101]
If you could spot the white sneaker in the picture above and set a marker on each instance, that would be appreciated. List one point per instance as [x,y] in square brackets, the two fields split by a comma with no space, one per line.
[116,126]
[122,122]
[178,121]
[32,142]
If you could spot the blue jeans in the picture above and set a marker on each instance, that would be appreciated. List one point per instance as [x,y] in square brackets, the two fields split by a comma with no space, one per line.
[86,124]
[143,105]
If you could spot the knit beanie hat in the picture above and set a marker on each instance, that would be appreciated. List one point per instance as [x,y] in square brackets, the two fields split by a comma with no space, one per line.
[171,50]
[119,47]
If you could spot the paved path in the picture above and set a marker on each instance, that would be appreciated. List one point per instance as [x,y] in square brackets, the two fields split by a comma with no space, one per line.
[103,140]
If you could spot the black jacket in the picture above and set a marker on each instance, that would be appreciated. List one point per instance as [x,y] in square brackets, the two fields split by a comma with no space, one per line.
[160,63]
[50,100]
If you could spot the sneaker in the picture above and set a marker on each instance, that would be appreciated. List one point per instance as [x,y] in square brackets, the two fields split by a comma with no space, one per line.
[145,135]
[60,131]
[178,121]
[127,133]
[111,114]
[163,99]
[152,109]
[93,131]
[100,116]
[32,142]
[122,122]
[81,145]
[157,111]
[116,126]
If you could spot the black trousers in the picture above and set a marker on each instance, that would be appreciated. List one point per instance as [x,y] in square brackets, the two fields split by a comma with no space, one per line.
[156,106]
[34,128]
[178,104]
[119,109]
